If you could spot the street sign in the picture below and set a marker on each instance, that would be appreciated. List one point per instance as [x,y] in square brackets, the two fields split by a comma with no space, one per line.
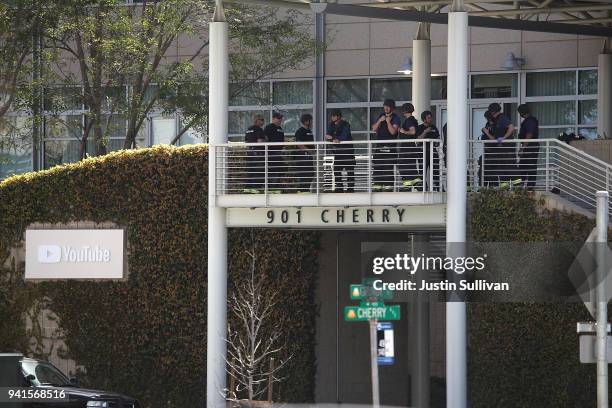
[372,312]
[361,292]
[385,343]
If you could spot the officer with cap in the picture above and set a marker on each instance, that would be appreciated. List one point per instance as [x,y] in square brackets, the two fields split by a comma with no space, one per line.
[529,151]
[276,160]
[338,133]
[303,154]
[386,128]
[255,156]
[409,153]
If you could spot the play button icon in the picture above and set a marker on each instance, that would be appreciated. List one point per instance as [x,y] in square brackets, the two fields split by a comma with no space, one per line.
[49,254]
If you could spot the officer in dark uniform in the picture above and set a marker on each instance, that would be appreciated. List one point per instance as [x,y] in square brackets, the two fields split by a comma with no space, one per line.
[409,154]
[386,128]
[529,151]
[255,156]
[502,161]
[339,130]
[427,130]
[484,161]
[303,155]
[276,158]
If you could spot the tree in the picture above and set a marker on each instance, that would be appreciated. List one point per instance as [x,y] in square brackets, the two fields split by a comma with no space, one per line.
[249,352]
[109,45]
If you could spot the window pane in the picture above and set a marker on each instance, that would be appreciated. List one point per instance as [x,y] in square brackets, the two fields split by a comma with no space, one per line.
[554,113]
[163,129]
[551,83]
[587,112]
[587,82]
[61,151]
[239,121]
[438,88]
[15,145]
[254,94]
[64,126]
[588,133]
[292,92]
[291,122]
[399,89]
[60,99]
[356,117]
[114,98]
[347,90]
[553,133]
[494,86]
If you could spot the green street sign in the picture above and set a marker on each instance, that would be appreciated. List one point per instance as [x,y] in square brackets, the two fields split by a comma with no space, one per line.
[361,292]
[363,314]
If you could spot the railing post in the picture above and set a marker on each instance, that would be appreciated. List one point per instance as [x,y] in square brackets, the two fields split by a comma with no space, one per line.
[482,164]
[318,170]
[370,158]
[423,166]
[431,165]
[266,171]
[547,167]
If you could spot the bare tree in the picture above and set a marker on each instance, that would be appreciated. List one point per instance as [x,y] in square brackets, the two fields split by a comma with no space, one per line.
[250,346]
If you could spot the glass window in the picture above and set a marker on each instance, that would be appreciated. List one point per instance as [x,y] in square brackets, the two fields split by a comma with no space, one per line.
[61,99]
[292,92]
[587,82]
[494,86]
[250,94]
[553,133]
[163,129]
[588,133]
[438,88]
[239,121]
[398,89]
[356,117]
[587,112]
[113,126]
[347,90]
[554,113]
[62,151]
[63,127]
[114,98]
[551,83]
[291,122]
[15,146]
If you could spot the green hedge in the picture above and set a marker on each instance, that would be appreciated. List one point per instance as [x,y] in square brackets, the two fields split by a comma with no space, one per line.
[147,337]
[526,355]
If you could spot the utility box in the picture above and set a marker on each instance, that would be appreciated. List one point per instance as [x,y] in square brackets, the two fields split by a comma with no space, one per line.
[588,343]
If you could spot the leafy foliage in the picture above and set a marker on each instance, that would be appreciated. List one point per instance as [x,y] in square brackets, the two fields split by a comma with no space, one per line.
[526,355]
[147,337]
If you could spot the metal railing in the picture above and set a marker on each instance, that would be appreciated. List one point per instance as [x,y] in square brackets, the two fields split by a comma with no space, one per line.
[323,167]
[546,165]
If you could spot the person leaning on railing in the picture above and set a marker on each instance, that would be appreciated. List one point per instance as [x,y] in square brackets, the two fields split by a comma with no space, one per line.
[411,153]
[339,130]
[255,157]
[303,155]
[502,162]
[386,128]
[276,159]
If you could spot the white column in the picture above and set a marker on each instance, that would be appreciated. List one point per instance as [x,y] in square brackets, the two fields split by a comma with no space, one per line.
[421,70]
[456,335]
[604,92]
[216,350]
[602,299]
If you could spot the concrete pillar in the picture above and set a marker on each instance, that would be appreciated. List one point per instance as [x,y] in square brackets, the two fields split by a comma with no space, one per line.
[421,70]
[216,351]
[320,120]
[456,334]
[604,91]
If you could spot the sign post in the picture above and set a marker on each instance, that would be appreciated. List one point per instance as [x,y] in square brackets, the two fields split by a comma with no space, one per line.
[371,309]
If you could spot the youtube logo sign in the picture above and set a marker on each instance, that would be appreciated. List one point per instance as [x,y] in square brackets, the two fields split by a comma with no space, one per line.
[49,254]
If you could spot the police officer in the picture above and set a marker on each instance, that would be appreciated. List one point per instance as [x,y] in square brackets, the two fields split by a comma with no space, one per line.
[255,156]
[502,163]
[485,160]
[303,154]
[386,128]
[409,153]
[339,130]
[528,152]
[276,159]
[427,130]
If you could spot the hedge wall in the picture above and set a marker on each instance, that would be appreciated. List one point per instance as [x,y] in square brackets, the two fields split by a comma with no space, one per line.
[147,337]
[526,355]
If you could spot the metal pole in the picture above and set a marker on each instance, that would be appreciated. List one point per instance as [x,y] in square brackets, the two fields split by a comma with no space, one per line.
[604,91]
[456,337]
[421,70]
[216,351]
[602,300]
[374,363]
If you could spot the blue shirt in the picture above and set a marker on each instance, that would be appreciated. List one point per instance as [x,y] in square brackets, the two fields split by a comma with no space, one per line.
[383,130]
[501,126]
[340,131]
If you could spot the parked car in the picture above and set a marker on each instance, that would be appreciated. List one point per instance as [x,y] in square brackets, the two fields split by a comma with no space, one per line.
[43,379]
